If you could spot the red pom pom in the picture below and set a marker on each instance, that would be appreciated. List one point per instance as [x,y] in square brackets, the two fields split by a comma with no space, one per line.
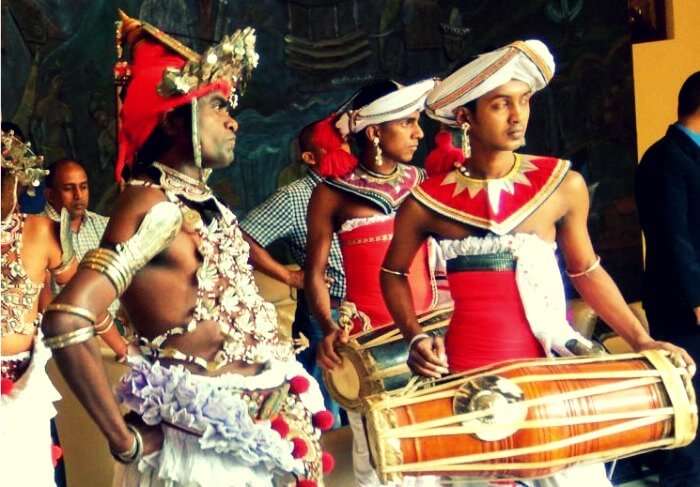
[443,158]
[336,163]
[298,384]
[328,462]
[56,454]
[6,386]
[306,483]
[323,420]
[280,425]
[300,448]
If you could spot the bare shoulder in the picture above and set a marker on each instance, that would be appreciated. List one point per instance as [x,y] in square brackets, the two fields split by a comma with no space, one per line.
[574,183]
[40,227]
[130,208]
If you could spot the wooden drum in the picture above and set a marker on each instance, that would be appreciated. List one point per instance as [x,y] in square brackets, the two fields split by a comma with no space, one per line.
[528,419]
[375,361]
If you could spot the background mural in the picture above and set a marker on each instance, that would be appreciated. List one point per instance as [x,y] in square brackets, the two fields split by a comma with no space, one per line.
[57,58]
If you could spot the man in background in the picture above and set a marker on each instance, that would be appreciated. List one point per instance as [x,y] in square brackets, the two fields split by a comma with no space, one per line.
[668,198]
[282,217]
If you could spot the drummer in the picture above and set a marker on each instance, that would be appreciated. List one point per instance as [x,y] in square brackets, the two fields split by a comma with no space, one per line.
[499,215]
[359,203]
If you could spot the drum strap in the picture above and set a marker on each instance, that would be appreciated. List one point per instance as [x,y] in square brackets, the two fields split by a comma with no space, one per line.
[683,424]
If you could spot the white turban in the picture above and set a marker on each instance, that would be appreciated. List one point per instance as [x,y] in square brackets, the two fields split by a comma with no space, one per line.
[527,61]
[392,106]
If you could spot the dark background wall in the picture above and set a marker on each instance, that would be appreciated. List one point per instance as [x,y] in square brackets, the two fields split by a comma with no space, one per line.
[57,58]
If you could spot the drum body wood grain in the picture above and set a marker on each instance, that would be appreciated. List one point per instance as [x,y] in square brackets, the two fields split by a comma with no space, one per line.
[531,418]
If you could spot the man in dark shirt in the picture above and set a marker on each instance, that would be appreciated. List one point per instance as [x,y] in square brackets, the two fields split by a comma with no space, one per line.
[668,198]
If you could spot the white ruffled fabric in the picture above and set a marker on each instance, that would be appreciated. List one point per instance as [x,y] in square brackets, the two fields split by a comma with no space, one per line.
[354,223]
[539,283]
[25,432]
[183,462]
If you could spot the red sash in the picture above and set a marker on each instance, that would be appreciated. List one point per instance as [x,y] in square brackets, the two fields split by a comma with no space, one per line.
[363,251]
[498,205]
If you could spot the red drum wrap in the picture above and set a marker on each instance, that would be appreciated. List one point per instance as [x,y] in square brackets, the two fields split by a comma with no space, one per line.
[531,418]
[363,250]
[489,323]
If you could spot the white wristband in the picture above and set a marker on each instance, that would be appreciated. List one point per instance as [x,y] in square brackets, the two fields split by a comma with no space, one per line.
[416,338]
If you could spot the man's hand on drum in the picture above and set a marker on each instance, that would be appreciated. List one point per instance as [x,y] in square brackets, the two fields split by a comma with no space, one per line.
[427,357]
[327,356]
[675,351]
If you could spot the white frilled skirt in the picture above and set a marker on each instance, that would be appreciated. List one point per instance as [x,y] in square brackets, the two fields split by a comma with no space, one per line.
[25,431]
[182,462]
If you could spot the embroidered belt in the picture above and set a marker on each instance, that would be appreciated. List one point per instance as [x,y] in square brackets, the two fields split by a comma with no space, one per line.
[501,261]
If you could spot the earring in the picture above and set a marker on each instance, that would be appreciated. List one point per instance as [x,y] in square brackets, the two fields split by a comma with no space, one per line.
[378,160]
[466,147]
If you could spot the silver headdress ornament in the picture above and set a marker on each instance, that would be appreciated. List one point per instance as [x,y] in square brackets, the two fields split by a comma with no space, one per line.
[232,60]
[18,158]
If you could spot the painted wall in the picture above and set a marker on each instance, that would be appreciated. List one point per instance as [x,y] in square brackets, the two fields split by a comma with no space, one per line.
[660,69]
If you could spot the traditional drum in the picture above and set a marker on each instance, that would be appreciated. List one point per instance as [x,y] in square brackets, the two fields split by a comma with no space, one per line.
[375,361]
[528,419]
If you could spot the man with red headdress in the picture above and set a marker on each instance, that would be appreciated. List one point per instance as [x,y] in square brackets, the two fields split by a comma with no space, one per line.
[215,396]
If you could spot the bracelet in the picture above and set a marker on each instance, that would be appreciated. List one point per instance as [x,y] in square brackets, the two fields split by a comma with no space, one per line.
[71,338]
[104,326]
[73,310]
[395,273]
[416,338]
[593,267]
[63,267]
[134,453]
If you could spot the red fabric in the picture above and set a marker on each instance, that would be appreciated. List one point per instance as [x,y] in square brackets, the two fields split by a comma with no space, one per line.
[336,162]
[442,194]
[298,384]
[327,462]
[280,425]
[144,107]
[300,448]
[444,157]
[6,386]
[323,420]
[362,262]
[489,323]
[56,454]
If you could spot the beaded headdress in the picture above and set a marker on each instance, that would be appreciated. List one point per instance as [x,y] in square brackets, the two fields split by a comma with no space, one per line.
[165,74]
[18,158]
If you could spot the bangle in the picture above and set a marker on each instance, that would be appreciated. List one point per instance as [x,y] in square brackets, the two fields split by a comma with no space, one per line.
[57,271]
[71,338]
[417,338]
[132,454]
[103,326]
[590,269]
[73,310]
[395,273]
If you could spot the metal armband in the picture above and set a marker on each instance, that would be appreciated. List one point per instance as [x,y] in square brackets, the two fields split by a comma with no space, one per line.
[157,230]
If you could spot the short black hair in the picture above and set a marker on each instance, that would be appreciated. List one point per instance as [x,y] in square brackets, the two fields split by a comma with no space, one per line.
[689,96]
[56,166]
[11,126]
[305,134]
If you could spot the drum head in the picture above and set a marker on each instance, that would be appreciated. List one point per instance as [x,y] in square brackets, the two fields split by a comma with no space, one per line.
[498,395]
[345,380]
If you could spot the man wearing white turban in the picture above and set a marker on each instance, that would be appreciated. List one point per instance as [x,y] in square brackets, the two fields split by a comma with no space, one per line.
[359,205]
[498,216]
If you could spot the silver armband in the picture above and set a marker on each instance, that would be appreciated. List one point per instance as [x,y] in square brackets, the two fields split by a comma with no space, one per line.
[157,230]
